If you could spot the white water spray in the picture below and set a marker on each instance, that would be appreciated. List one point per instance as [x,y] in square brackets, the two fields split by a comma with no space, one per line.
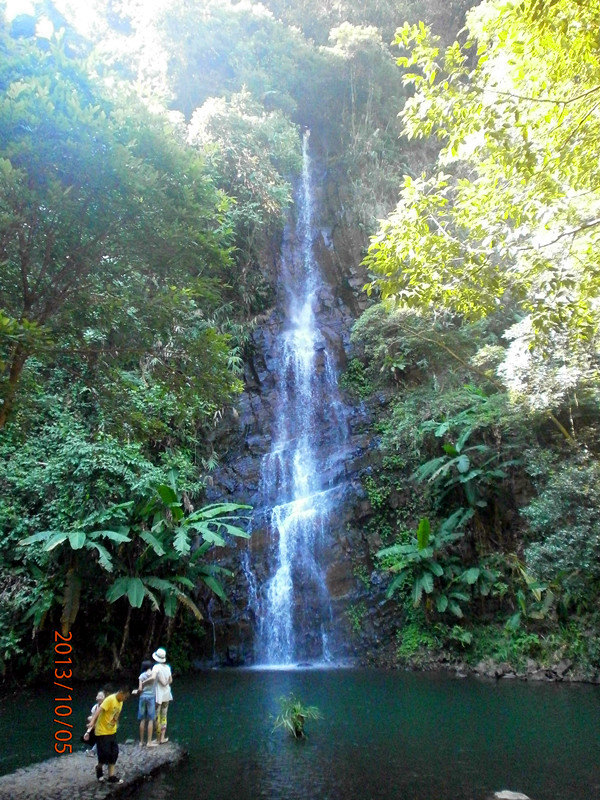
[294,607]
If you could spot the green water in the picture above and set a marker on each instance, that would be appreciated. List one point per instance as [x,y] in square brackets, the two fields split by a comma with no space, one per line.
[384,735]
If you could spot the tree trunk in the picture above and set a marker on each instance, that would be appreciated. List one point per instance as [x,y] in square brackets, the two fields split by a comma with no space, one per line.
[116,661]
[20,356]
[149,639]
[71,598]
[171,625]
[125,638]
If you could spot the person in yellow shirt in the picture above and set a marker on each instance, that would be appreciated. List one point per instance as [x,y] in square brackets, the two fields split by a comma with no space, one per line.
[104,723]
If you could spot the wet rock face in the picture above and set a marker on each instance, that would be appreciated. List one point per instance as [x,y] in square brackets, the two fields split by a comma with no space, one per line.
[245,438]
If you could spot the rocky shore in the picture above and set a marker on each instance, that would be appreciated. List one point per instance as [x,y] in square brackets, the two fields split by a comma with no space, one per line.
[72,777]
[560,670]
[563,670]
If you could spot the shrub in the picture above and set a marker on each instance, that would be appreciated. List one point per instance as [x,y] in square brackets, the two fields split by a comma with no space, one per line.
[564,521]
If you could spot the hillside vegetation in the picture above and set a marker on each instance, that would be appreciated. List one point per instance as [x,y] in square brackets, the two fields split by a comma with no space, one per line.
[147,166]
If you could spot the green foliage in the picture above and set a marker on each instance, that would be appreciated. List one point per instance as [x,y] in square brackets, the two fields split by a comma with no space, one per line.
[78,501]
[252,155]
[376,493]
[510,212]
[125,244]
[294,714]
[446,398]
[17,597]
[533,599]
[61,474]
[564,525]
[354,379]
[575,641]
[475,469]
[460,636]
[115,356]
[381,487]
[370,157]
[361,572]
[340,81]
[356,614]
[415,640]
[400,347]
[505,645]
[578,639]
[428,567]
[316,19]
[158,560]
[223,47]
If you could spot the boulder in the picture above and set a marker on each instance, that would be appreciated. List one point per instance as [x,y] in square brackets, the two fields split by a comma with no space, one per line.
[563,666]
[507,795]
[539,675]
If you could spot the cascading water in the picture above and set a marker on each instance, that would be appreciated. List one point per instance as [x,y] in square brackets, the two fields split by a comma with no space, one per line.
[298,479]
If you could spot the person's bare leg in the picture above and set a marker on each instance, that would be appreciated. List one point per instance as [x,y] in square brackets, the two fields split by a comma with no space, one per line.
[141,733]
[163,724]
[151,743]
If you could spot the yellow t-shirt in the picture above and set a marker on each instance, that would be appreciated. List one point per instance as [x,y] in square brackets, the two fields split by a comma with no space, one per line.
[109,716]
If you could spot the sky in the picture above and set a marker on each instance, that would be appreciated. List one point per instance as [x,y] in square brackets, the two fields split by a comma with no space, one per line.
[16,7]
[81,13]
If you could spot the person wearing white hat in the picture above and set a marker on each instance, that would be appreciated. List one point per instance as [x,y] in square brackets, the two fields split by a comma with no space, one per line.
[164,678]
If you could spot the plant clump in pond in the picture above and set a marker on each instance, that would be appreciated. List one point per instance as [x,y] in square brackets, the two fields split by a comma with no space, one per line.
[294,714]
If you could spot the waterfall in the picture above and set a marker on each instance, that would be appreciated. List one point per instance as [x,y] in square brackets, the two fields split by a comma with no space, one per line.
[298,475]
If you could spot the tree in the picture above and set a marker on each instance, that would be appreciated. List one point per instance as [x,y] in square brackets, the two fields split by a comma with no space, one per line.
[109,227]
[511,214]
[252,155]
[153,545]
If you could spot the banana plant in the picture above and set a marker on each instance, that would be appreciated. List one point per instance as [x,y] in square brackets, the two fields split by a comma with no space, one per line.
[155,548]
[167,562]
[86,535]
[534,599]
[425,563]
[473,468]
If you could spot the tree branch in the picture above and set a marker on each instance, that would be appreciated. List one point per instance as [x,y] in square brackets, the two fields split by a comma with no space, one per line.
[585,226]
[543,99]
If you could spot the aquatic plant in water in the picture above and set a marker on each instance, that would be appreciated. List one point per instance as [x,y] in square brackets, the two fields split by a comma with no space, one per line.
[294,714]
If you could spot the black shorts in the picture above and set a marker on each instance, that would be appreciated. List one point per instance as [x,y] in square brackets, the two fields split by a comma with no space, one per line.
[107,749]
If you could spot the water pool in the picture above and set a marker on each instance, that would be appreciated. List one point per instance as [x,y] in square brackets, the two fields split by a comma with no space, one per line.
[383,735]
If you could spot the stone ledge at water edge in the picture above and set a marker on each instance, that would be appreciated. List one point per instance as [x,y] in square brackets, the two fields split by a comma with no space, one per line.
[72,777]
